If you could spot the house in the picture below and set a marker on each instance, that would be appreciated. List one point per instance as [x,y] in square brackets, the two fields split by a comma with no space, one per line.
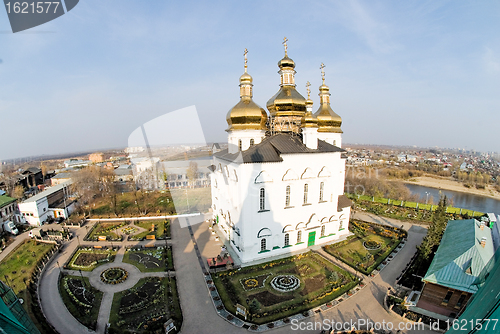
[278,188]
[464,251]
[60,178]
[9,214]
[54,202]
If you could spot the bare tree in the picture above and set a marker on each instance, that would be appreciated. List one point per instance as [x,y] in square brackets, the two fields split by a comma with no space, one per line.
[192,172]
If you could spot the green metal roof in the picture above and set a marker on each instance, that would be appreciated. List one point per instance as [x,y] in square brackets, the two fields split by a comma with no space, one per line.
[6,200]
[483,307]
[459,250]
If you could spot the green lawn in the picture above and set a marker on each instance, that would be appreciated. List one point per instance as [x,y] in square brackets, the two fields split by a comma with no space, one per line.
[153,305]
[105,229]
[87,259]
[192,200]
[85,315]
[147,259]
[161,229]
[320,282]
[19,265]
[357,252]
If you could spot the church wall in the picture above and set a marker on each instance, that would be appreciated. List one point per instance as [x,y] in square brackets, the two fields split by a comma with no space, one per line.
[238,203]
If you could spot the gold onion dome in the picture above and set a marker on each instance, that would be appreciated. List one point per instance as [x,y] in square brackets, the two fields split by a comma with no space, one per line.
[328,120]
[309,120]
[246,114]
[287,101]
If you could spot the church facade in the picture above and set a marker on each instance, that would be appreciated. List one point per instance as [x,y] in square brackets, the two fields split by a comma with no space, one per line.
[279,187]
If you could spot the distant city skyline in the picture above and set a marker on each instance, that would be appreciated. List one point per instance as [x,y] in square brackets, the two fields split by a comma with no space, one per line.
[410,73]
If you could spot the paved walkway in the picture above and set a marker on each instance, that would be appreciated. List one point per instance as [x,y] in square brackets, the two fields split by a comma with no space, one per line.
[52,304]
[191,247]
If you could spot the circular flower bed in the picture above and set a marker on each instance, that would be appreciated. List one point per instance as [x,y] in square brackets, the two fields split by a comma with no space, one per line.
[285,283]
[371,245]
[114,275]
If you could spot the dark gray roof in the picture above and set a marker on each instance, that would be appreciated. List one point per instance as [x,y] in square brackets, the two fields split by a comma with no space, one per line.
[343,202]
[271,149]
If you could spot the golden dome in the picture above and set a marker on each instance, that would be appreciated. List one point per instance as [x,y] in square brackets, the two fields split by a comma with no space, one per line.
[246,115]
[245,77]
[286,62]
[328,120]
[287,101]
[309,120]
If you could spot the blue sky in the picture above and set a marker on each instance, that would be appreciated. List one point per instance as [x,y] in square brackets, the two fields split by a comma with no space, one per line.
[400,72]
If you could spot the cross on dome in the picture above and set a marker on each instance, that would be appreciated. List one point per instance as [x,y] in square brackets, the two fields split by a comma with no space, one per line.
[322,67]
[245,54]
[286,47]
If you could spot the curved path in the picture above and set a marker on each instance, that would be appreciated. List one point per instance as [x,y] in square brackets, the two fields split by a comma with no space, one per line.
[51,302]
[198,311]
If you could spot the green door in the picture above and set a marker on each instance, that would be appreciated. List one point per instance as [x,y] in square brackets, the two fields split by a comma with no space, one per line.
[312,239]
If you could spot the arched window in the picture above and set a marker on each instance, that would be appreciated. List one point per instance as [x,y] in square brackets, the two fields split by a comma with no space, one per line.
[262,244]
[340,225]
[287,196]
[252,142]
[262,203]
[321,191]
[334,143]
[287,239]
[299,236]
[306,190]
[323,230]
[240,145]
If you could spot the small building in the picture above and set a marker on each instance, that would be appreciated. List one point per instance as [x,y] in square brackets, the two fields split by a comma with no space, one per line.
[76,163]
[9,214]
[54,202]
[464,251]
[96,157]
[60,178]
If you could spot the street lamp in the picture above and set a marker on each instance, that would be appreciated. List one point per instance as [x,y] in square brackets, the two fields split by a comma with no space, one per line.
[427,198]
[60,270]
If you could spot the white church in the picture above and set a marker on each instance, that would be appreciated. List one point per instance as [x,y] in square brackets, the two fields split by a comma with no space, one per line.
[279,187]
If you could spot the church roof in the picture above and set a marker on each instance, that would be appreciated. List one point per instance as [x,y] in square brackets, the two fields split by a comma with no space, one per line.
[271,149]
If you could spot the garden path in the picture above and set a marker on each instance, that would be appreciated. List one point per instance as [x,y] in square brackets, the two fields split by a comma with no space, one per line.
[51,302]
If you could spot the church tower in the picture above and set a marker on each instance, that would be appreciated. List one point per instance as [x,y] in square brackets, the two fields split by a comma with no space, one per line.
[246,120]
[287,107]
[309,124]
[328,121]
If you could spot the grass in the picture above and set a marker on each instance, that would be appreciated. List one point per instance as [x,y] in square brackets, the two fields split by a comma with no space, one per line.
[413,205]
[133,204]
[161,231]
[192,200]
[354,253]
[22,260]
[166,256]
[133,322]
[316,288]
[87,319]
[105,229]
[19,265]
[111,256]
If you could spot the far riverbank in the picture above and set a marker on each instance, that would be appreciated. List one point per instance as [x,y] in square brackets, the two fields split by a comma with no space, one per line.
[448,184]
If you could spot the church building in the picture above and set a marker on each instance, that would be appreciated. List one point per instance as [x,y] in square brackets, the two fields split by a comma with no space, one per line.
[279,187]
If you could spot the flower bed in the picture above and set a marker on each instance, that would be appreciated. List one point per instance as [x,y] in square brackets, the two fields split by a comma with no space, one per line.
[114,275]
[89,258]
[285,283]
[282,288]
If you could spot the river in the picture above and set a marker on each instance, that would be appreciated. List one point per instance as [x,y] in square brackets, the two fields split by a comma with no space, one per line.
[460,199]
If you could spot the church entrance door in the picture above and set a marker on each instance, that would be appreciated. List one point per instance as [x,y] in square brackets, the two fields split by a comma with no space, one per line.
[312,239]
